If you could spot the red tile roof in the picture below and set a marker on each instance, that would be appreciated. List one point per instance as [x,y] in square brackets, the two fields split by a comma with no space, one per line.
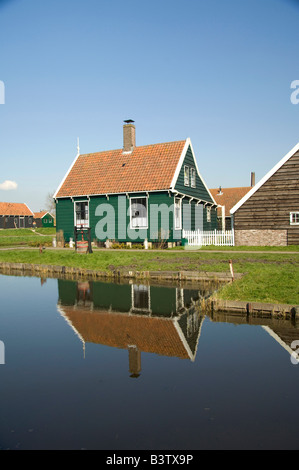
[147,168]
[14,208]
[39,215]
[149,334]
[229,197]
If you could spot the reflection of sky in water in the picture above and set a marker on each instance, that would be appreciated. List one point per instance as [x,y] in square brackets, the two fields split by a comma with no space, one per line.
[238,391]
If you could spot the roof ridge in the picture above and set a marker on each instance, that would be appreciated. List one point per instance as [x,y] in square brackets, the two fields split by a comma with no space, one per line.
[232,187]
[136,147]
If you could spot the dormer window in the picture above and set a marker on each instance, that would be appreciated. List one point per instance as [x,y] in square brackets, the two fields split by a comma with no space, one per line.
[186,175]
[193,178]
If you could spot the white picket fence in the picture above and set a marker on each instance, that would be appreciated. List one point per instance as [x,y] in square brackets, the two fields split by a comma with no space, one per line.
[215,237]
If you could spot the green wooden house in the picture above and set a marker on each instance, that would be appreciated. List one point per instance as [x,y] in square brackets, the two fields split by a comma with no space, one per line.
[44,219]
[136,193]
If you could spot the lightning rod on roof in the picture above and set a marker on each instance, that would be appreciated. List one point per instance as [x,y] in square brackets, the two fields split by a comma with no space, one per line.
[78,147]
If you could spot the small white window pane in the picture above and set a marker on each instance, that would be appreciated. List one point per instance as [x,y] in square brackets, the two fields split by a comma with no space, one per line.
[186,176]
[294,218]
[139,212]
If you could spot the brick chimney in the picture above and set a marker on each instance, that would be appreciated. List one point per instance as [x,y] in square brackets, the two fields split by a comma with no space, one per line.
[129,136]
[252,179]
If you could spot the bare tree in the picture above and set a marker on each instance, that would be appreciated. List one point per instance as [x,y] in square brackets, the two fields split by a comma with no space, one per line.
[50,204]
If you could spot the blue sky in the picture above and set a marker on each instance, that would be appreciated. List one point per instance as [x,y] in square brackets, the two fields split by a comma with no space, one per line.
[219,72]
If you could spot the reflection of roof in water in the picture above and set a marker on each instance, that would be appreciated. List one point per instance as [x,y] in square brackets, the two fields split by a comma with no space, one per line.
[283,331]
[284,336]
[161,336]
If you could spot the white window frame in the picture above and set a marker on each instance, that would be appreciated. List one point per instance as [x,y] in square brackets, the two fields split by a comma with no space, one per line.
[75,215]
[193,178]
[186,168]
[174,216]
[294,218]
[131,219]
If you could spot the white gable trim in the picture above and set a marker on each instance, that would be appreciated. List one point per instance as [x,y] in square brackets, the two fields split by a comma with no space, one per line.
[29,208]
[265,178]
[179,166]
[66,175]
[49,214]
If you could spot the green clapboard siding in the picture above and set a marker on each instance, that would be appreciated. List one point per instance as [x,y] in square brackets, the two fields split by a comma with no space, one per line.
[200,191]
[67,291]
[110,218]
[115,297]
[163,301]
[65,217]
[48,221]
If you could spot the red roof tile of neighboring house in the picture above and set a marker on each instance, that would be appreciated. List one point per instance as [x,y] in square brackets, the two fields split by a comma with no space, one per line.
[14,208]
[228,197]
[146,168]
[39,215]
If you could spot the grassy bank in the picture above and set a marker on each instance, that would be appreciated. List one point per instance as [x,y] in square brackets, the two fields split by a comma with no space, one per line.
[269,277]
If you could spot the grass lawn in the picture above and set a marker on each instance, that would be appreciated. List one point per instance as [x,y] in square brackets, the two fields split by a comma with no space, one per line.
[26,237]
[269,277]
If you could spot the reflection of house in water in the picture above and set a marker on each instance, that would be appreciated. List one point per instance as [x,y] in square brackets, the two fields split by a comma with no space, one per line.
[136,317]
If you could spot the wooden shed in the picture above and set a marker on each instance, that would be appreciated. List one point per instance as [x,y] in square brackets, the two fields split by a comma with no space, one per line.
[15,215]
[269,213]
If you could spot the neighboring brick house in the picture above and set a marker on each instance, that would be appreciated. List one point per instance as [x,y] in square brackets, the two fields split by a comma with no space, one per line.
[155,190]
[226,199]
[15,215]
[44,219]
[269,213]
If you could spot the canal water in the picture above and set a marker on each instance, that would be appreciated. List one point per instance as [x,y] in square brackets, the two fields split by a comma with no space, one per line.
[95,365]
